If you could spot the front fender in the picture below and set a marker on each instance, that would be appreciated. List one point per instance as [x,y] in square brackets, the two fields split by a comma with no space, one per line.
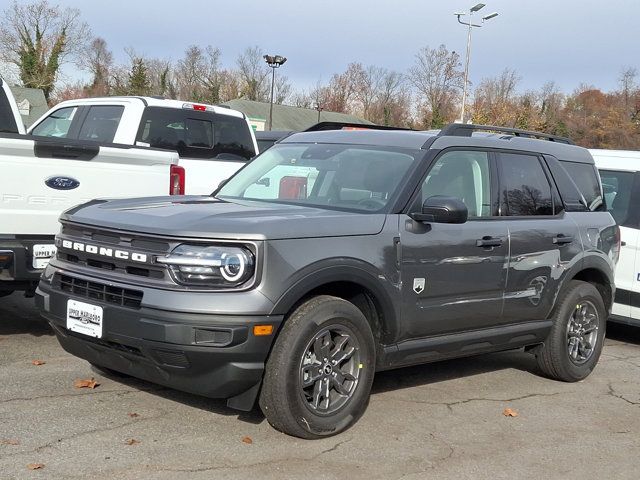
[385,293]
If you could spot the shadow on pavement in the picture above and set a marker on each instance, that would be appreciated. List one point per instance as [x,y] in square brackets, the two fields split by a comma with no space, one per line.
[385,381]
[623,333]
[18,315]
[442,371]
[212,405]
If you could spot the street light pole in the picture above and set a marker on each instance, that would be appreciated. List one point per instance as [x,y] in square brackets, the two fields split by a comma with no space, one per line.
[470,26]
[274,61]
[319,109]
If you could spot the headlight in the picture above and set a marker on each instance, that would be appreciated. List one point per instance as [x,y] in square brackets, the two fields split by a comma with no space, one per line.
[210,266]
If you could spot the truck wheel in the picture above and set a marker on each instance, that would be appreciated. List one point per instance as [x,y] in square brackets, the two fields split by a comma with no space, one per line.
[319,374]
[573,347]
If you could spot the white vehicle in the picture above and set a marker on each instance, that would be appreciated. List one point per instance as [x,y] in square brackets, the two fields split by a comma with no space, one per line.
[42,177]
[212,142]
[620,174]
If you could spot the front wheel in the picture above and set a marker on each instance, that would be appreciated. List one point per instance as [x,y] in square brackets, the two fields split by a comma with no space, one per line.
[319,374]
[573,347]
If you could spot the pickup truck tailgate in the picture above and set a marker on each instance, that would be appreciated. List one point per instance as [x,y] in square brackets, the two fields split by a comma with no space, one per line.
[41,178]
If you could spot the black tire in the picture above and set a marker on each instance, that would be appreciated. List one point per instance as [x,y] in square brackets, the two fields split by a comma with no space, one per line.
[288,407]
[5,293]
[555,356]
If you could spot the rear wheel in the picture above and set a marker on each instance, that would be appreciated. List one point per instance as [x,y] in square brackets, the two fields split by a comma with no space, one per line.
[319,374]
[573,347]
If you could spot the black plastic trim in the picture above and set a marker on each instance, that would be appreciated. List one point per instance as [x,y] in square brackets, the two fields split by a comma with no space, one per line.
[466,130]
[627,297]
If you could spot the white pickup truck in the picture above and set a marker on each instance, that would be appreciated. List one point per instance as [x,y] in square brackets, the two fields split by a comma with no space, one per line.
[41,177]
[212,142]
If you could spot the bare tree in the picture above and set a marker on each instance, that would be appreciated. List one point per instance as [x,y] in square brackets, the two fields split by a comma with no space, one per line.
[437,77]
[98,60]
[628,85]
[38,38]
[282,90]
[254,74]
[495,100]
[198,74]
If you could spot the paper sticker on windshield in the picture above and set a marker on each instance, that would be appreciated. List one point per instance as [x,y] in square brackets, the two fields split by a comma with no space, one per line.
[418,285]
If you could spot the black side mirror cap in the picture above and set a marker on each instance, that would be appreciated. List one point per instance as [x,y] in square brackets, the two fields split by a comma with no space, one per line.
[442,209]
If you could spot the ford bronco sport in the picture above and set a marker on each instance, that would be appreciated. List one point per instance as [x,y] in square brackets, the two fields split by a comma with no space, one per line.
[336,254]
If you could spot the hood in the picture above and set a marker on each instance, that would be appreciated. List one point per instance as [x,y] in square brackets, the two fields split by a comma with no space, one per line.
[207,217]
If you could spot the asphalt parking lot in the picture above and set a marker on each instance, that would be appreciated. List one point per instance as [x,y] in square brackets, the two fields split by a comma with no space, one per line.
[435,421]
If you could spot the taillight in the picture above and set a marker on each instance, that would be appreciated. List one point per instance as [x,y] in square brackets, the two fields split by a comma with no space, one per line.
[618,240]
[176,180]
[195,106]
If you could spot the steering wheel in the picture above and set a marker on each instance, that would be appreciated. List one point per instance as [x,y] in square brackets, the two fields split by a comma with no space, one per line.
[373,203]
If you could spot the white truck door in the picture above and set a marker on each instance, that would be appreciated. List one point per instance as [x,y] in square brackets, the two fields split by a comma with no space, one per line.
[634,297]
[618,189]
[43,178]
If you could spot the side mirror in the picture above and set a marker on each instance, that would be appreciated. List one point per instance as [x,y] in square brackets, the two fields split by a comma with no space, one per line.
[442,209]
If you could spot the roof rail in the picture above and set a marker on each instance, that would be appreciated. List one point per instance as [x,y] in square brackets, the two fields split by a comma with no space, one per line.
[466,130]
[349,126]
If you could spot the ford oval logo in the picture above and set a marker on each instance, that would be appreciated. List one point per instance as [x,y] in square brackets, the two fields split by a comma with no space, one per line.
[62,183]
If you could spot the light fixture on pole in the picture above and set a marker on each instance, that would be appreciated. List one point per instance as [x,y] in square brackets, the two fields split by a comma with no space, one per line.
[274,61]
[470,25]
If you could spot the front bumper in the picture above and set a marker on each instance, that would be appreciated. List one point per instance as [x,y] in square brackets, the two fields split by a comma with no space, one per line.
[16,262]
[212,355]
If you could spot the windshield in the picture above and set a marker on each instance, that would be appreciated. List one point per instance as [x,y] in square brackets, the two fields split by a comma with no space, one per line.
[351,177]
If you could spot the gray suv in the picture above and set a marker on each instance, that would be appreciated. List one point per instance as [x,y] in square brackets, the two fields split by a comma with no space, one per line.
[337,254]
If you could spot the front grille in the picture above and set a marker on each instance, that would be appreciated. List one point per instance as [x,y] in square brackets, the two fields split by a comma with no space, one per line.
[111,266]
[99,291]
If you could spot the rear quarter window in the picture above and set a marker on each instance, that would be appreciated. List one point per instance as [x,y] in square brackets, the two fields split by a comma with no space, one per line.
[196,134]
[585,176]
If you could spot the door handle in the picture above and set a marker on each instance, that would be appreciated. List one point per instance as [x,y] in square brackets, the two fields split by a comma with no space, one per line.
[561,239]
[489,242]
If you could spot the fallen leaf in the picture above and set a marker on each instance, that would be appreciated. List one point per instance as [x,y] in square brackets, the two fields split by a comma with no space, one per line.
[247,440]
[85,383]
[133,415]
[509,412]
[132,441]
[10,441]
[37,363]
[35,466]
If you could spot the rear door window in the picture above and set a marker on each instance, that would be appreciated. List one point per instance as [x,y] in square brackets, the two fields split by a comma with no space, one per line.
[101,123]
[524,186]
[57,124]
[618,189]
[585,177]
[196,134]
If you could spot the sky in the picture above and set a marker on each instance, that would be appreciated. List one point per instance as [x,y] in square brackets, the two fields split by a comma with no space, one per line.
[571,42]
